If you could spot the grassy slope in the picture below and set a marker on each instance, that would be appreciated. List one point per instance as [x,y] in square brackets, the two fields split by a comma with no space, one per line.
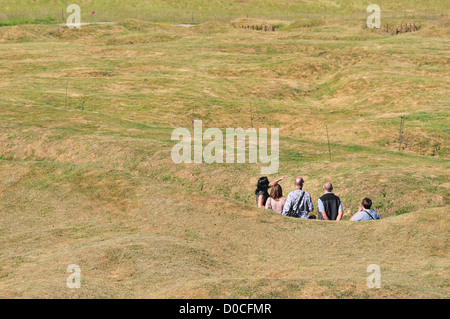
[97,187]
[31,11]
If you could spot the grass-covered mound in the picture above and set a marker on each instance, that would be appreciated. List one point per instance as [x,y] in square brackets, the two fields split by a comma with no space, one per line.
[85,123]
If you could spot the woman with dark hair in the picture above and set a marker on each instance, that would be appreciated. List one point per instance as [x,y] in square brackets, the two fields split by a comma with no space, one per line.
[276,200]
[261,190]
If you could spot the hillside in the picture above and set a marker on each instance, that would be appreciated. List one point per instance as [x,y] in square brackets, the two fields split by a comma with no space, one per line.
[87,179]
[199,11]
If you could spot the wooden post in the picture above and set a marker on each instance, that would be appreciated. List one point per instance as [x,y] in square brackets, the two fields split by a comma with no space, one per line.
[328,139]
[401,133]
[251,115]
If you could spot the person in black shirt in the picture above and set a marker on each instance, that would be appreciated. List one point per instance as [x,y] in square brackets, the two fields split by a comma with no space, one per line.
[261,190]
[330,206]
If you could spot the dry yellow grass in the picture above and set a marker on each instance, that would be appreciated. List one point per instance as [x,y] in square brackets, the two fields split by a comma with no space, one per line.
[97,187]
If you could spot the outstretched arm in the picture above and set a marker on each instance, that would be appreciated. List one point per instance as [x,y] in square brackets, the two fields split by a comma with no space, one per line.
[276,181]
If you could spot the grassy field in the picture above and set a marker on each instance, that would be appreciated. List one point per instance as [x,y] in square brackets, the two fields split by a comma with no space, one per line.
[87,177]
[198,11]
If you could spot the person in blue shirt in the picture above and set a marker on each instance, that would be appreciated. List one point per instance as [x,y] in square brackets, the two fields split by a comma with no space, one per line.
[365,212]
[298,199]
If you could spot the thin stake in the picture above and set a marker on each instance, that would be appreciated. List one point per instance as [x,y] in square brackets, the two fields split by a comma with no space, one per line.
[251,115]
[400,133]
[329,149]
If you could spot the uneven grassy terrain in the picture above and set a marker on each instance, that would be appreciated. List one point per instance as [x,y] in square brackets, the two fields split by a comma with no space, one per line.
[88,179]
[198,11]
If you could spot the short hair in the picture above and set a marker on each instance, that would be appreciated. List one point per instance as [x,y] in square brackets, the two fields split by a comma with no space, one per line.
[367,203]
[328,186]
[299,181]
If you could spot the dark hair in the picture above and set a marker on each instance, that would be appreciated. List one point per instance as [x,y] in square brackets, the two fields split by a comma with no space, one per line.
[367,203]
[277,192]
[262,185]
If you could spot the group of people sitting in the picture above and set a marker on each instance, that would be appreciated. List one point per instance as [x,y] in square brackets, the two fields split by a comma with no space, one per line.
[299,203]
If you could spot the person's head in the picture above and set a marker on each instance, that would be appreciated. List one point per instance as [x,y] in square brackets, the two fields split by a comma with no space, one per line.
[277,192]
[366,203]
[262,185]
[327,187]
[299,182]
